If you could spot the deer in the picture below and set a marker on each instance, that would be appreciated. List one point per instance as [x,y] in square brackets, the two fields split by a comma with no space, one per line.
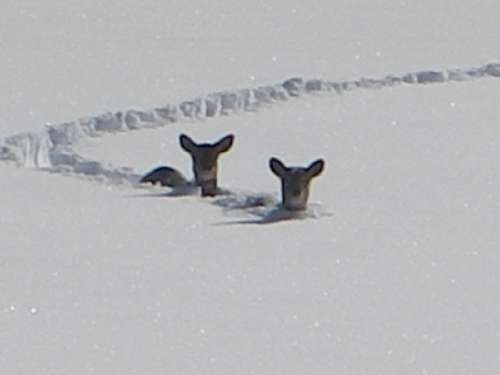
[295,182]
[204,164]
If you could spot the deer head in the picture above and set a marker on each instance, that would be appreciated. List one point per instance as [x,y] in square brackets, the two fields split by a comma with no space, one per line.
[205,156]
[295,182]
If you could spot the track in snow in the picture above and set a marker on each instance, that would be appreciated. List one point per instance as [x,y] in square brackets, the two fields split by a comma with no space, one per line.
[52,149]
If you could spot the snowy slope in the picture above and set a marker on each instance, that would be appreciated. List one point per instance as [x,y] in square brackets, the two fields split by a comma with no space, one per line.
[52,149]
[104,278]
[402,277]
[66,61]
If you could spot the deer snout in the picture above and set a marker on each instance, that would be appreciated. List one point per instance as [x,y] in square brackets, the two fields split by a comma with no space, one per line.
[203,175]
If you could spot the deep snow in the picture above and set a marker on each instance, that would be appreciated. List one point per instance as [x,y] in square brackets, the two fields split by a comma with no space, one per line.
[52,149]
[65,61]
[399,276]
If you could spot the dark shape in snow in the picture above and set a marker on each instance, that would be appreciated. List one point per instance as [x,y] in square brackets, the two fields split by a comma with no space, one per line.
[164,176]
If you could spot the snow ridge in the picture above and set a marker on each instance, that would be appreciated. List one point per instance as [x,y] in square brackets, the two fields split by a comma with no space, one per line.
[51,149]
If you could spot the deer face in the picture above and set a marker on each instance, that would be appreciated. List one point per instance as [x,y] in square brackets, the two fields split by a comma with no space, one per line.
[205,158]
[295,182]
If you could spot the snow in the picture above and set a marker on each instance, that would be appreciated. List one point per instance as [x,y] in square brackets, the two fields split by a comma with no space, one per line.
[392,271]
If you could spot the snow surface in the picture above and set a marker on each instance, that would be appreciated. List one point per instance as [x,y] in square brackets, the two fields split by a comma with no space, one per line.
[393,271]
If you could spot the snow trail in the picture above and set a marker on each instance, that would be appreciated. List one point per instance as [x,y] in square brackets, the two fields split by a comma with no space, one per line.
[51,149]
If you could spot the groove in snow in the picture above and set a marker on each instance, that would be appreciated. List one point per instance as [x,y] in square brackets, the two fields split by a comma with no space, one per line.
[51,149]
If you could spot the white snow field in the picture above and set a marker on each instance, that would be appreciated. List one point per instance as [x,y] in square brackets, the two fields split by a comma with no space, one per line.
[393,271]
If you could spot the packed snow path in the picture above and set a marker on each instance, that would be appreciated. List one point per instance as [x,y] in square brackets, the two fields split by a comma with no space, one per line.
[52,148]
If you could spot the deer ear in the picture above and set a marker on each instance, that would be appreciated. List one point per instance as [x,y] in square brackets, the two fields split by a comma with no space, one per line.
[277,167]
[315,168]
[225,143]
[187,143]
